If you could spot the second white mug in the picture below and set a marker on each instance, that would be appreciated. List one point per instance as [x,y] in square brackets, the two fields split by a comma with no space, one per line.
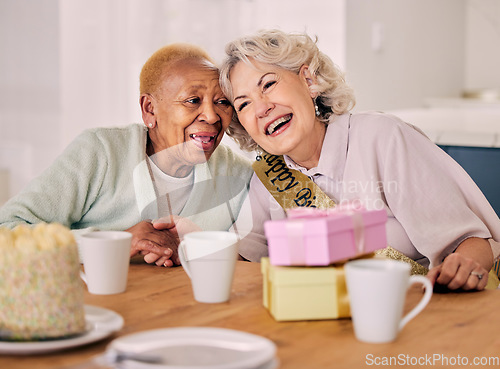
[106,258]
[209,259]
[377,292]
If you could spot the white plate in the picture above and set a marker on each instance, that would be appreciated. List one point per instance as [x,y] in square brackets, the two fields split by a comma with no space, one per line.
[198,347]
[101,323]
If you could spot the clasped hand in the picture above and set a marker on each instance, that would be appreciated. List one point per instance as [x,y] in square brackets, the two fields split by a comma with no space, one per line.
[158,240]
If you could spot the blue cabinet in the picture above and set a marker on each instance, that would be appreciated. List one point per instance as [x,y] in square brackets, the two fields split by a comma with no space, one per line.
[483,165]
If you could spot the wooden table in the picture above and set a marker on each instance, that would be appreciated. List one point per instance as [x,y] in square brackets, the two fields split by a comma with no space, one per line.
[455,327]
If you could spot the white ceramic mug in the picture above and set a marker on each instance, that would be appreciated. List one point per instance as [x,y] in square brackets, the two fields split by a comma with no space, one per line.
[209,259]
[377,292]
[106,258]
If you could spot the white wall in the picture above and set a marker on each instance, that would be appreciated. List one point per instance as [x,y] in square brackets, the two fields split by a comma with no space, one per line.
[29,89]
[402,51]
[482,59]
[99,48]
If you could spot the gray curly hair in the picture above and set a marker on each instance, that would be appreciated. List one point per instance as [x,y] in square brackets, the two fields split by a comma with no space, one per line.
[288,51]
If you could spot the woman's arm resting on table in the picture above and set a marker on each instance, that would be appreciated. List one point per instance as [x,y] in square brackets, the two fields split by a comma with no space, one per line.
[472,255]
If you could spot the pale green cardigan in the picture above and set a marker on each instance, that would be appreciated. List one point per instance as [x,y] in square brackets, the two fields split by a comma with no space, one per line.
[102,181]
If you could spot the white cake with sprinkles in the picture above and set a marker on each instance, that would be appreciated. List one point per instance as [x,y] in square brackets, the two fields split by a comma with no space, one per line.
[41,294]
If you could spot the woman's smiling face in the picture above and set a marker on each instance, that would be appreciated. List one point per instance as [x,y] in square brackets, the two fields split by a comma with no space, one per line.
[274,105]
[190,112]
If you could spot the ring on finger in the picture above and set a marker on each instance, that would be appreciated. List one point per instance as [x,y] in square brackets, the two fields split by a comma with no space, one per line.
[477,274]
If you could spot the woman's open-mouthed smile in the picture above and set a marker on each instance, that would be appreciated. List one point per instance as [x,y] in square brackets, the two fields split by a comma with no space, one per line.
[275,106]
[191,114]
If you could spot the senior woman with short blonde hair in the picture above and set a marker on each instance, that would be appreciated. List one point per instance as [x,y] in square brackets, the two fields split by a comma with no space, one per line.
[293,105]
[172,166]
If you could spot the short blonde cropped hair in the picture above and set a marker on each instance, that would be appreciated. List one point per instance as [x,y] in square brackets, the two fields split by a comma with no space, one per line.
[289,51]
[152,72]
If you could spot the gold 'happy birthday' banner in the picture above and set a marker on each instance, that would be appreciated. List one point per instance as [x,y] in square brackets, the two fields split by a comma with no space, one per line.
[289,187]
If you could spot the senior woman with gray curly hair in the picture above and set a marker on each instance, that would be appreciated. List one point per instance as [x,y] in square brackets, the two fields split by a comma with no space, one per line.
[293,107]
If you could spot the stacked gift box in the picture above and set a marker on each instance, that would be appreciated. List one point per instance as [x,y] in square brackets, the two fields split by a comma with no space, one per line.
[303,276]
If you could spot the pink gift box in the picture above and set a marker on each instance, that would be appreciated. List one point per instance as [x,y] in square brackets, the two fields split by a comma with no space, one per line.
[322,237]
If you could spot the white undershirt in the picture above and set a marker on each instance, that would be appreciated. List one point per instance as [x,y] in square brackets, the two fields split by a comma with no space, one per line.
[171,189]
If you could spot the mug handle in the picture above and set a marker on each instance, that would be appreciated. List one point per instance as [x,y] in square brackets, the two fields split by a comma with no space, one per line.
[83,277]
[183,259]
[423,301]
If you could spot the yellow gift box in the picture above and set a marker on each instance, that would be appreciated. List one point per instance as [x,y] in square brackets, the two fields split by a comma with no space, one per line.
[304,293]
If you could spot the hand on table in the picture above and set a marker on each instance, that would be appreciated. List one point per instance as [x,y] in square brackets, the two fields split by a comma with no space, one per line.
[158,246]
[459,272]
